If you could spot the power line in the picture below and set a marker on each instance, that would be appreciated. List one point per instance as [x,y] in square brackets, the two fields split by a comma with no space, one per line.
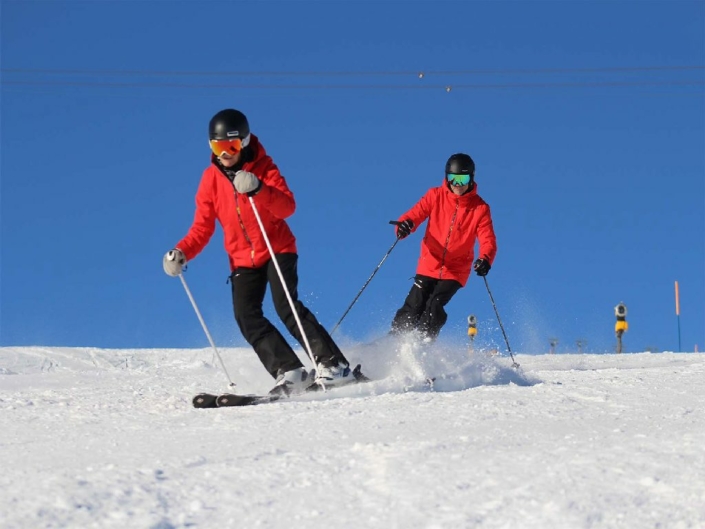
[301,73]
[112,79]
[447,88]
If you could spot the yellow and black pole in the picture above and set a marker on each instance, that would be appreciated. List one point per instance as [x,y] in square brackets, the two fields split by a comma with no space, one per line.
[678,316]
[621,326]
[472,331]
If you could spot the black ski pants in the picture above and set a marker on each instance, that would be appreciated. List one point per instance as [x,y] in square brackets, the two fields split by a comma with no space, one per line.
[423,309]
[249,286]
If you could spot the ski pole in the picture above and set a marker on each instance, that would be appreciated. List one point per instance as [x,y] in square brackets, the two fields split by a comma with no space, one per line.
[286,289]
[203,324]
[367,282]
[514,363]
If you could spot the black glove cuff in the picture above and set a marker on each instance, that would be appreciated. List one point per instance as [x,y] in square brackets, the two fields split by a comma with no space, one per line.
[259,188]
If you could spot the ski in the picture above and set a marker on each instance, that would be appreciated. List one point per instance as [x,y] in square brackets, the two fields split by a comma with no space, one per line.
[227,400]
[208,400]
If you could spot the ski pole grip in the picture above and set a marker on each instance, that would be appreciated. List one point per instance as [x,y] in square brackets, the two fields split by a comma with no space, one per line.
[395,222]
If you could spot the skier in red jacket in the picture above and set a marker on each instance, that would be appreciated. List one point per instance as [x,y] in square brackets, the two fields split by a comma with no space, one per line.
[457,216]
[240,168]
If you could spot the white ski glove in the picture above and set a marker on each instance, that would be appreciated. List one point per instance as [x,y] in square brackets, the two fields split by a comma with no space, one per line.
[246,182]
[174,262]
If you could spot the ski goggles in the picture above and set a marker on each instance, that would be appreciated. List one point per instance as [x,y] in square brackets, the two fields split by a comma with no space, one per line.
[458,180]
[231,147]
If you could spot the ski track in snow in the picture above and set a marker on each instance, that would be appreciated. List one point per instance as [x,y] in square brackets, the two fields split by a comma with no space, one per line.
[108,439]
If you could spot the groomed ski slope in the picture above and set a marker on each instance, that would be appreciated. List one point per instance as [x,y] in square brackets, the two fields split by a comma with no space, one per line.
[97,438]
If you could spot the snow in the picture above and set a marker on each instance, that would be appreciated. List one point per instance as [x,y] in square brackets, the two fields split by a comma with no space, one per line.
[108,439]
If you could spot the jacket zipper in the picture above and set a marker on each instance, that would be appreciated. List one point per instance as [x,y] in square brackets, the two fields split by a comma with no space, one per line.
[244,231]
[450,230]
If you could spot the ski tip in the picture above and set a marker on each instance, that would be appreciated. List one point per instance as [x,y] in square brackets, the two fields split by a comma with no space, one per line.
[204,400]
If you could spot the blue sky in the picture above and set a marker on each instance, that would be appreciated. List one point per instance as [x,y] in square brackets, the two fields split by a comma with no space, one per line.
[587,129]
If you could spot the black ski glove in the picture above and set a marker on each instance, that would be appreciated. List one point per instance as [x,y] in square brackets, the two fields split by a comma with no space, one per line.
[404,228]
[481,266]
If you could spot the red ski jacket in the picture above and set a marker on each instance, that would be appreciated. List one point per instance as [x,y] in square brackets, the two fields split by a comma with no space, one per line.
[216,198]
[454,223]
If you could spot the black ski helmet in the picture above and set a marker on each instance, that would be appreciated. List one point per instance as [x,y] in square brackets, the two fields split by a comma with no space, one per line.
[460,164]
[228,124]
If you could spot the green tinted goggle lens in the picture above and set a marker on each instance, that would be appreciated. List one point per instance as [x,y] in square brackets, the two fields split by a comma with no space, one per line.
[458,179]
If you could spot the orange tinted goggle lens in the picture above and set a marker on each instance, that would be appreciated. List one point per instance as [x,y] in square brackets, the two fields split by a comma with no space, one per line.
[230,146]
